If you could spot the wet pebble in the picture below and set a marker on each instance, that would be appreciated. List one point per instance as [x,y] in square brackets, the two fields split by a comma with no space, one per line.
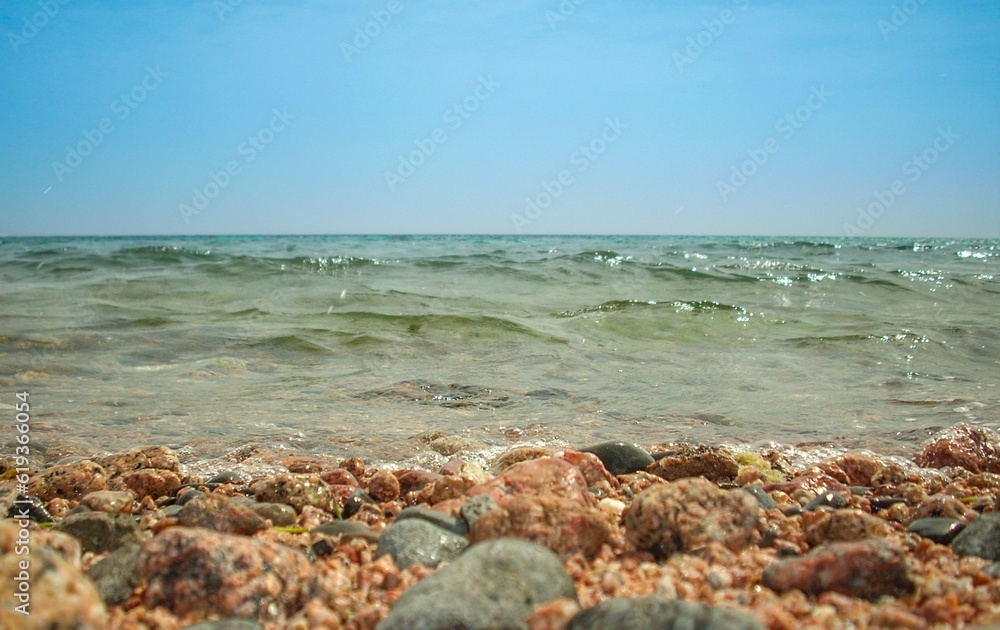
[973,448]
[835,500]
[866,569]
[660,612]
[230,476]
[940,530]
[152,482]
[679,516]
[980,538]
[843,525]
[354,501]
[279,514]
[765,500]
[384,486]
[226,624]
[222,514]
[492,585]
[99,531]
[620,458]
[715,464]
[160,457]
[297,490]
[70,481]
[416,541]
[113,501]
[477,506]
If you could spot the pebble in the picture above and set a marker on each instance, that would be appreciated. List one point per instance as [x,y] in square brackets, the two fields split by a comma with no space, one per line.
[384,486]
[944,505]
[415,541]
[354,501]
[974,448]
[660,612]
[940,530]
[547,476]
[477,506]
[339,477]
[444,521]
[492,585]
[564,526]
[226,624]
[415,480]
[69,481]
[199,571]
[152,482]
[980,538]
[866,569]
[620,458]
[346,530]
[160,457]
[297,490]
[518,455]
[448,445]
[114,501]
[99,531]
[809,485]
[222,514]
[279,514]
[117,575]
[685,460]
[679,516]
[761,495]
[61,596]
[188,495]
[843,525]
[835,500]
[230,476]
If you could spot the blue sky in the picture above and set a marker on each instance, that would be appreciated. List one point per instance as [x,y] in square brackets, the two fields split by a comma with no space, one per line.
[864,117]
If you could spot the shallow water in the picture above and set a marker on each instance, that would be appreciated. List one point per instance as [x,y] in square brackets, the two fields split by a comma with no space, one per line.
[207,344]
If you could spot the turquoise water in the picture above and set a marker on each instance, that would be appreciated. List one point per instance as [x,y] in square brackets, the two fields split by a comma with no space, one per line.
[296,344]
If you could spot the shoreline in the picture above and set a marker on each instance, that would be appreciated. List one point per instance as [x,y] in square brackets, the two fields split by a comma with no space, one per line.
[139,541]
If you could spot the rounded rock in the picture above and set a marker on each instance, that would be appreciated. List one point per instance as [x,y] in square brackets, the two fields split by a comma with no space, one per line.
[415,541]
[659,612]
[620,458]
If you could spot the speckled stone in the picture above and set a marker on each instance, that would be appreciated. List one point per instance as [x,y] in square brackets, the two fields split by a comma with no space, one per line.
[662,614]
[200,571]
[297,490]
[867,569]
[69,481]
[416,541]
[61,596]
[844,525]
[562,525]
[765,500]
[152,482]
[384,486]
[346,530]
[620,458]
[714,464]
[517,455]
[973,448]
[100,531]
[547,476]
[111,501]
[492,585]
[222,514]
[144,457]
[679,516]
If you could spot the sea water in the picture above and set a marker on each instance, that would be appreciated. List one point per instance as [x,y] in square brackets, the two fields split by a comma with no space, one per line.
[360,345]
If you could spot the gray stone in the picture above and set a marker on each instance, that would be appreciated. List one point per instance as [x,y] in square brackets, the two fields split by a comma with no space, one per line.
[620,458]
[279,514]
[492,586]
[831,499]
[939,529]
[661,613]
[345,530]
[477,506]
[117,575]
[416,541]
[435,517]
[100,531]
[980,538]
[761,495]
[355,500]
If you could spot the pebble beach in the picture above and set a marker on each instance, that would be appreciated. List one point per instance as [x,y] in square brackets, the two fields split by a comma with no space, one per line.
[612,535]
